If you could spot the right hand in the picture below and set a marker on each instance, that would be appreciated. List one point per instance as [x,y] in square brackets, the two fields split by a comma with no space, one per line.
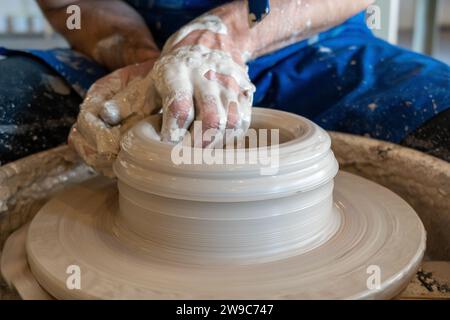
[112,105]
[201,75]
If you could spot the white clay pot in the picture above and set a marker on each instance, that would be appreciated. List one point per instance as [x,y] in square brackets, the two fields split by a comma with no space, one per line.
[226,231]
[230,211]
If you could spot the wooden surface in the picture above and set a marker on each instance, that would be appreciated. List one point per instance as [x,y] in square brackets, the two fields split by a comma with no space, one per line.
[432,281]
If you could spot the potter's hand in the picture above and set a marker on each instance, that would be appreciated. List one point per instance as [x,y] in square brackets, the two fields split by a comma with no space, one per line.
[112,105]
[201,74]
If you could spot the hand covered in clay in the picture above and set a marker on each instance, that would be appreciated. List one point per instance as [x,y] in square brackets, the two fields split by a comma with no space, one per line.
[202,75]
[112,105]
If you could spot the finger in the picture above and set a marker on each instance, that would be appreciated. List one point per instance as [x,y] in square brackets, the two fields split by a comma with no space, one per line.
[107,87]
[233,117]
[100,162]
[229,95]
[178,114]
[94,130]
[238,120]
[131,100]
[233,125]
[242,98]
[238,102]
[211,113]
[175,89]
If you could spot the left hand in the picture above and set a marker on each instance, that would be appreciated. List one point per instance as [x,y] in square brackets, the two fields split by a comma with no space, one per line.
[112,105]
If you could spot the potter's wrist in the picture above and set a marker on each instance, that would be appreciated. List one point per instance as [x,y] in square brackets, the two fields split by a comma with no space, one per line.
[212,41]
[234,15]
[211,32]
[235,18]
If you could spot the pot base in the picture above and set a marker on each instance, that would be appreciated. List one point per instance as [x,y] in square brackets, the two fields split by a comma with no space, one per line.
[373,254]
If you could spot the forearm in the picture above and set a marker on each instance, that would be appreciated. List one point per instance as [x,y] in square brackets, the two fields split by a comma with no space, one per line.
[112,32]
[288,22]
[202,73]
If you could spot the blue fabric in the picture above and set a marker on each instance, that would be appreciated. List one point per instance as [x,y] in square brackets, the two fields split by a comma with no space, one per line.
[258,9]
[78,70]
[166,17]
[345,79]
[350,81]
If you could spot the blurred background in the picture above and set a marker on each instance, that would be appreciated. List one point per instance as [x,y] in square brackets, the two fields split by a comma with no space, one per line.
[421,25]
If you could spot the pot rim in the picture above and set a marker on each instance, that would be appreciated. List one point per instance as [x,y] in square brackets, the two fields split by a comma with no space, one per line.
[304,162]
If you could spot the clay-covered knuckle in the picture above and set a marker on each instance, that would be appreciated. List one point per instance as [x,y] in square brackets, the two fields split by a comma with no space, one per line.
[238,75]
[213,117]
[95,131]
[100,162]
[211,120]
[181,109]
[110,113]
[130,101]
[108,140]
[234,120]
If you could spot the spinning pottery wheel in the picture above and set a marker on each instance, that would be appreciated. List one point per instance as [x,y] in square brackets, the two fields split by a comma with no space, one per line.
[227,231]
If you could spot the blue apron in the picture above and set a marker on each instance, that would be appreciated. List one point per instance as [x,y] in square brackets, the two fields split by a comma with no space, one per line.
[345,79]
